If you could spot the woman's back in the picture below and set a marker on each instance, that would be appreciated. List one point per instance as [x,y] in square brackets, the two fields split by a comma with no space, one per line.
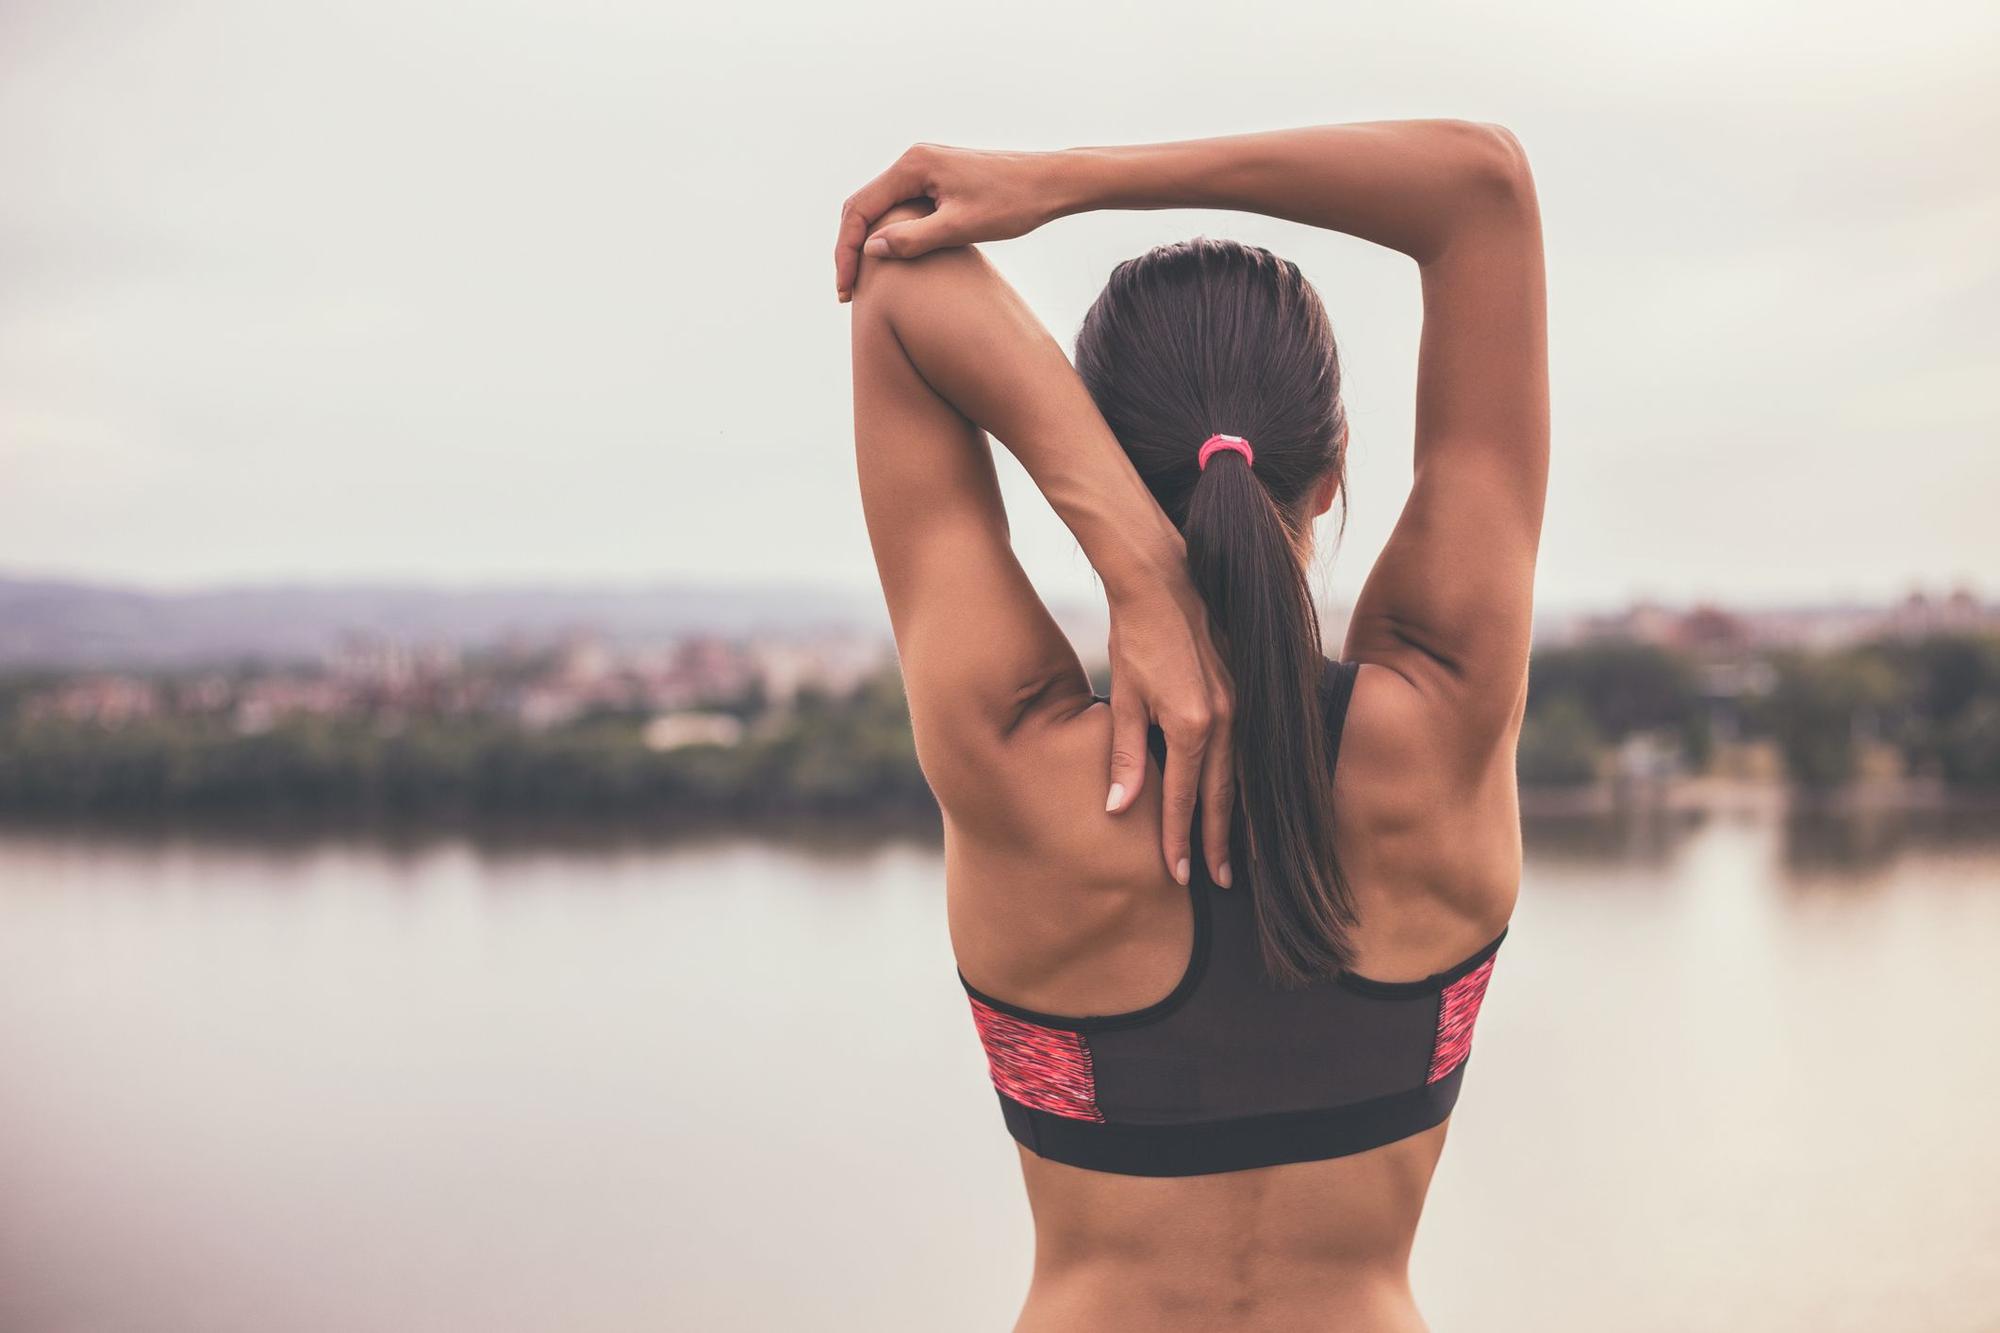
[1229,1090]
[1268,1247]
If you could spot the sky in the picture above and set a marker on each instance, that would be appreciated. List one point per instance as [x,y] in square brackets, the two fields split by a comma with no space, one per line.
[540,291]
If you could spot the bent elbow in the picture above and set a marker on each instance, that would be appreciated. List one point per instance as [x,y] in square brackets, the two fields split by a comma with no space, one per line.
[882,277]
[1484,160]
[1500,165]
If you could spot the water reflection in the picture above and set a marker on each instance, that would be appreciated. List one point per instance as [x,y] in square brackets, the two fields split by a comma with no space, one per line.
[1828,844]
[1815,840]
[1642,835]
[284,835]
[577,1076]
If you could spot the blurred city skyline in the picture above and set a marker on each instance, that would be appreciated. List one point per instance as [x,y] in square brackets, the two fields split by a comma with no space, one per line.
[68,625]
[335,293]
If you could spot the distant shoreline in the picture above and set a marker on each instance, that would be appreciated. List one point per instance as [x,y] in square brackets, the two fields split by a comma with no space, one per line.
[1719,795]
[612,828]
[1599,805]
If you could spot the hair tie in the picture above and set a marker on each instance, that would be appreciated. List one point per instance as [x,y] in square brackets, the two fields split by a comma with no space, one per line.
[1214,443]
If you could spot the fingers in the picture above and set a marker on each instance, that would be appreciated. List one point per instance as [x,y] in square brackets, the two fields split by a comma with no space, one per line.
[1128,750]
[1177,804]
[907,240]
[906,179]
[1218,800]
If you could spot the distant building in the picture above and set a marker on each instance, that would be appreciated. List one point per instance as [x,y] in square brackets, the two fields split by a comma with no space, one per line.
[540,707]
[584,662]
[834,663]
[1919,615]
[1711,633]
[676,731]
[389,664]
[262,704]
[109,701]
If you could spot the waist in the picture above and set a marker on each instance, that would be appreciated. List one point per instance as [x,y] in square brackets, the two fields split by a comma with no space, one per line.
[1172,1303]
[1302,1228]
[1279,1257]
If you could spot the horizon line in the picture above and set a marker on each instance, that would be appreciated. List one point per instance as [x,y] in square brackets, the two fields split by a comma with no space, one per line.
[1935,588]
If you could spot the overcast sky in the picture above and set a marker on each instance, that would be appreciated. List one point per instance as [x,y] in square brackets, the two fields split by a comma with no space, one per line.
[540,290]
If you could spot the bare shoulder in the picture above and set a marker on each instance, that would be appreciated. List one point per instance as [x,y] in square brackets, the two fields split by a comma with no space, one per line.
[1424,808]
[1041,798]
[1054,903]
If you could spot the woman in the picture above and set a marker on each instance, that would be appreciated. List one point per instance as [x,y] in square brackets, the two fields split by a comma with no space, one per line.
[1226,1026]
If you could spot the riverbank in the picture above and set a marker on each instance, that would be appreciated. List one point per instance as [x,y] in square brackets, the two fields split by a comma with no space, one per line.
[1605,814]
[1711,794]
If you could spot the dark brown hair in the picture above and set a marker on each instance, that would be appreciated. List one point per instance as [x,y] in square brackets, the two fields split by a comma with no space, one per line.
[1210,337]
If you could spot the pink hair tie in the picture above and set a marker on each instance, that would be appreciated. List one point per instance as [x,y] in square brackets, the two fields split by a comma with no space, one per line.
[1213,443]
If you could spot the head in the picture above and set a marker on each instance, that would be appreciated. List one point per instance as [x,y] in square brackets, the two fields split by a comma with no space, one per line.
[1211,337]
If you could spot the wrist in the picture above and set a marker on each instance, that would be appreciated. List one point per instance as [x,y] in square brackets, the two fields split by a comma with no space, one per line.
[1132,176]
[1074,180]
[1145,565]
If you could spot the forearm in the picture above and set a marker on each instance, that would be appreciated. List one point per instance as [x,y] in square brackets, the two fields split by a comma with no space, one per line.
[1414,186]
[976,344]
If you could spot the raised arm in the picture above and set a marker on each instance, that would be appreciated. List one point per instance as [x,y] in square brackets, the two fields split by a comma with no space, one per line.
[1449,603]
[1448,606]
[944,351]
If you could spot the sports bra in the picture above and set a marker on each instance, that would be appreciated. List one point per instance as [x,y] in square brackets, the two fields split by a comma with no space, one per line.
[1232,1071]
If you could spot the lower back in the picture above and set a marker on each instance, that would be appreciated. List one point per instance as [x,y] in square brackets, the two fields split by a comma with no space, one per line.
[1313,1244]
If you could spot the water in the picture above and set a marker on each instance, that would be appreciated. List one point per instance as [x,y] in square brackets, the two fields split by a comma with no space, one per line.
[1737,1074]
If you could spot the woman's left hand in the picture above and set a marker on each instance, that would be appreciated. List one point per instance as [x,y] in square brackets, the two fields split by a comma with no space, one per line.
[975,196]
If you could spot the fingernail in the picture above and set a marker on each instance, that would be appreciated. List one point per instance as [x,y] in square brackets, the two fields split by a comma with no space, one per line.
[1181,870]
[877,247]
[1222,874]
[843,293]
[1115,799]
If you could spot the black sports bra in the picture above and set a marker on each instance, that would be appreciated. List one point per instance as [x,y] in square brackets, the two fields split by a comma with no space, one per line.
[1231,1071]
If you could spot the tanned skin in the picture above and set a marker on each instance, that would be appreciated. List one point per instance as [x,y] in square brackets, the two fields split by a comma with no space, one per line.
[1060,905]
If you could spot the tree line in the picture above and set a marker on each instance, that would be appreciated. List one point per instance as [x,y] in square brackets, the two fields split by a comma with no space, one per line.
[1935,702]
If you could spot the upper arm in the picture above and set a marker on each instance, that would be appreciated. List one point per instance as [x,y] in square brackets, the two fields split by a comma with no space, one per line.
[1449,604]
[980,653]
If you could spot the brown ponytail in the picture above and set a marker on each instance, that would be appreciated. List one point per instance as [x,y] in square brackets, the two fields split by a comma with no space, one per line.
[1211,337]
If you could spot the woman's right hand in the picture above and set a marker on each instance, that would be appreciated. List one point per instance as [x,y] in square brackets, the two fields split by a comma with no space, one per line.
[975,196]
[1167,670]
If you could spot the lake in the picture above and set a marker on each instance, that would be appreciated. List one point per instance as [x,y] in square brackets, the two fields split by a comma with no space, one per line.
[1735,1072]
